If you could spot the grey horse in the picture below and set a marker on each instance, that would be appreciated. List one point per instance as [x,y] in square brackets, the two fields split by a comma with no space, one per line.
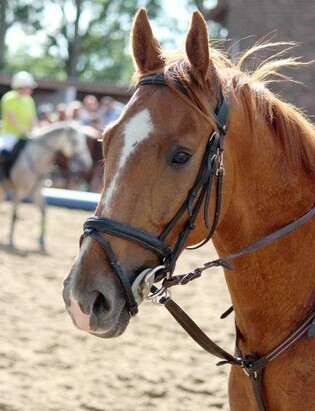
[30,170]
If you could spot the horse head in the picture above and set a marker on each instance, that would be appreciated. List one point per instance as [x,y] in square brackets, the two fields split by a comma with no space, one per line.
[154,155]
[74,146]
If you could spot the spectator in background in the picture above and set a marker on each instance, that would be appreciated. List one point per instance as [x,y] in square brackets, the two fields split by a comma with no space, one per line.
[89,109]
[61,112]
[74,111]
[18,117]
[44,114]
[110,110]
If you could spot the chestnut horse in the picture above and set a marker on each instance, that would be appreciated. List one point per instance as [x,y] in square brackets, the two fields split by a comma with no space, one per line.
[162,192]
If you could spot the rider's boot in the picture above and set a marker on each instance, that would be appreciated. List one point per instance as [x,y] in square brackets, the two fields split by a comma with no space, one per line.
[4,159]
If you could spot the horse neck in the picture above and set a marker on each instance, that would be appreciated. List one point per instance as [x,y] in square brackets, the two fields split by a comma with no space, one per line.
[272,289]
[54,141]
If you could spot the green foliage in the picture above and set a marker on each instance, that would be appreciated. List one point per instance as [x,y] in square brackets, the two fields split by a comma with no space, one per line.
[215,12]
[83,39]
[42,66]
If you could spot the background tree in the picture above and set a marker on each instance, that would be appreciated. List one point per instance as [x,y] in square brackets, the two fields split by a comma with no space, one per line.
[87,39]
[83,38]
[3,29]
[216,14]
[15,12]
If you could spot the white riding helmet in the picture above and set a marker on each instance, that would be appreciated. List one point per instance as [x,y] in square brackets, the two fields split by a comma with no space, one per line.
[23,79]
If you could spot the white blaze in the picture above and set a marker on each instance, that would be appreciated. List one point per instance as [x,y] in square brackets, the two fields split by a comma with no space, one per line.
[137,129]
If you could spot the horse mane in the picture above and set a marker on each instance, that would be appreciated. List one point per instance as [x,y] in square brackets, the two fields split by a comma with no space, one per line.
[287,123]
[49,129]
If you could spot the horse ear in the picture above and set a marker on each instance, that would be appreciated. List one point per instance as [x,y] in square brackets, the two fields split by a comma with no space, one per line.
[146,49]
[197,47]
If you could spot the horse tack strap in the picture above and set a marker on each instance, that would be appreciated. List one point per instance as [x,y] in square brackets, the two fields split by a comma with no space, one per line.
[249,363]
[304,328]
[225,261]
[124,281]
[253,365]
[195,332]
[258,392]
[159,80]
[273,236]
[119,229]
[221,112]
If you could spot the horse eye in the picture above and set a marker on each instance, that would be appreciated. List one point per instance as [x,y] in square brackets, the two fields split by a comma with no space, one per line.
[180,158]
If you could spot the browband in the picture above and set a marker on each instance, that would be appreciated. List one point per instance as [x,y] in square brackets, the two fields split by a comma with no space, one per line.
[221,111]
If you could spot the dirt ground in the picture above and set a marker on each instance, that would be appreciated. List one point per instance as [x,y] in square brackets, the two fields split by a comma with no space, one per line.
[46,364]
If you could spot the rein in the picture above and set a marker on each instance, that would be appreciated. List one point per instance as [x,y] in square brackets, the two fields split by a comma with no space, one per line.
[211,169]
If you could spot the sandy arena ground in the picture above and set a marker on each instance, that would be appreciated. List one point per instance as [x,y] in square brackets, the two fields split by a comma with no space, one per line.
[46,364]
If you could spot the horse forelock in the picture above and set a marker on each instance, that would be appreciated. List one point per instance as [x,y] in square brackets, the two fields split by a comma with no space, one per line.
[177,68]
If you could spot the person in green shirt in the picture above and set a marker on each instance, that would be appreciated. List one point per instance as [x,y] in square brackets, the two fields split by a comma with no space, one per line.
[18,113]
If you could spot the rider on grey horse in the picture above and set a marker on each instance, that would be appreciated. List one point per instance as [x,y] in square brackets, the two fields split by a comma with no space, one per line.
[18,118]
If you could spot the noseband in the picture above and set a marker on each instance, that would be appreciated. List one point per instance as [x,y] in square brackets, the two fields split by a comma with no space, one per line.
[211,166]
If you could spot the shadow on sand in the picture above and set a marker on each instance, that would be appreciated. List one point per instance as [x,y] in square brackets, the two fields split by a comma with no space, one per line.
[22,252]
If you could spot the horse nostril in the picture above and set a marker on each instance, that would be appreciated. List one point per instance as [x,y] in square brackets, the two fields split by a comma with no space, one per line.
[100,305]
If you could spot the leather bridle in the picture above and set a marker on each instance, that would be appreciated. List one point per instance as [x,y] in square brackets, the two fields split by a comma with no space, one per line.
[211,169]
[211,166]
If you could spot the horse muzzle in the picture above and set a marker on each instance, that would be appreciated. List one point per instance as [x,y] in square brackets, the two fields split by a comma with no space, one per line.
[96,312]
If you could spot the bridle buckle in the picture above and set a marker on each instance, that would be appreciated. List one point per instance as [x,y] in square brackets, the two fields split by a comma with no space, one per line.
[220,168]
